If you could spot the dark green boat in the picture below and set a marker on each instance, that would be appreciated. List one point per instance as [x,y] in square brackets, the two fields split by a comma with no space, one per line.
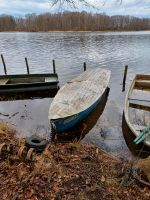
[28,83]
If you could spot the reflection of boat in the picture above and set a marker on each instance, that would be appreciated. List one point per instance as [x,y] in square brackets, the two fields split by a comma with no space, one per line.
[140,103]
[77,98]
[49,93]
[28,83]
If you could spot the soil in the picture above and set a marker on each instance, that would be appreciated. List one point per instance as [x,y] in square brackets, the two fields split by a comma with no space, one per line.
[69,171]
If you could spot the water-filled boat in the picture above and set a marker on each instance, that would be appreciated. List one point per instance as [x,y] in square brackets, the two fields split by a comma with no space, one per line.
[137,109]
[28,83]
[77,98]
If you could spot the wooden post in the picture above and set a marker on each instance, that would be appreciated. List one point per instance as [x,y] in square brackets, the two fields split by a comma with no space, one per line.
[54,67]
[124,78]
[3,61]
[26,60]
[84,66]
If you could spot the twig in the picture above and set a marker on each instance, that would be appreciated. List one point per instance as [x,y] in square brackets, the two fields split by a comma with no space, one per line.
[141,181]
[72,3]
[5,115]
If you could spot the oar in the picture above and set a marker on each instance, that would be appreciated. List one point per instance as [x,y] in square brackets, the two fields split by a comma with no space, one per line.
[144,133]
[141,138]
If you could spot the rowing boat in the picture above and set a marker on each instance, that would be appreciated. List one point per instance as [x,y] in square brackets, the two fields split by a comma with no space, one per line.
[138,100]
[28,83]
[77,98]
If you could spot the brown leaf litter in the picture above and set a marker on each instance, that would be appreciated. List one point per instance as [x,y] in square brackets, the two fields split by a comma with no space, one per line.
[66,172]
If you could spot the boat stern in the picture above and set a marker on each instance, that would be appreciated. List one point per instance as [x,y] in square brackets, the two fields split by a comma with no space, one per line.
[62,124]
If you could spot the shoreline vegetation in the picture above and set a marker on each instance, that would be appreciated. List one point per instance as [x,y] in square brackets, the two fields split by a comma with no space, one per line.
[107,31]
[65,171]
[72,21]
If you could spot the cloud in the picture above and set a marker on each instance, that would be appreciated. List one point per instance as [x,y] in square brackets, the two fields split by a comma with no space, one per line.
[139,8]
[22,7]
[124,7]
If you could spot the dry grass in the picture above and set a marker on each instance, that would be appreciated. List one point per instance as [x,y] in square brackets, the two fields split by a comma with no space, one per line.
[66,171]
[7,133]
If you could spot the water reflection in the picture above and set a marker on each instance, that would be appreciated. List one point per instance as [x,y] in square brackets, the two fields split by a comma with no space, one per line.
[108,50]
[29,95]
[26,111]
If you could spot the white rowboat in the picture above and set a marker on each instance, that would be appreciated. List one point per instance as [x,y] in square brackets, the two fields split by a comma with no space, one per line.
[77,98]
[139,83]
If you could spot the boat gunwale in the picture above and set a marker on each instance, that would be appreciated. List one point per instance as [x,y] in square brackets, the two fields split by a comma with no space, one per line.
[37,83]
[127,105]
[26,84]
[29,75]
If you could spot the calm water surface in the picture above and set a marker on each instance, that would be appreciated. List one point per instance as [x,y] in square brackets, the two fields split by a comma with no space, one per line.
[107,50]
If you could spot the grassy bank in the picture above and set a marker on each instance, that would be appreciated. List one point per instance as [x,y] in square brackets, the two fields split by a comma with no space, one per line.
[65,171]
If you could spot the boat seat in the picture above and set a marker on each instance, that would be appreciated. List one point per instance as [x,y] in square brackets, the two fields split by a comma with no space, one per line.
[142,84]
[142,81]
[135,99]
[140,106]
[3,81]
[50,79]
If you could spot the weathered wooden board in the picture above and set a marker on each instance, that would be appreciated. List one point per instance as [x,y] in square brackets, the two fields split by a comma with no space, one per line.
[79,94]
[3,81]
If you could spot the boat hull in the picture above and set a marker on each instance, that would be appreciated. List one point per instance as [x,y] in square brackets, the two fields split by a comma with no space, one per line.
[26,83]
[129,136]
[140,82]
[63,124]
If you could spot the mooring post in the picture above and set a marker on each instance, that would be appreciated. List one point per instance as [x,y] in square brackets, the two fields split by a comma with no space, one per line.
[124,78]
[26,60]
[54,67]
[84,66]
[3,61]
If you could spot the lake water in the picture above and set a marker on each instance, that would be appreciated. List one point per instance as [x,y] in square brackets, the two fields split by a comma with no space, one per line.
[98,49]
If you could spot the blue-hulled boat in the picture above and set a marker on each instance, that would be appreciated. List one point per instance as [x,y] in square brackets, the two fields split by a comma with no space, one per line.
[77,98]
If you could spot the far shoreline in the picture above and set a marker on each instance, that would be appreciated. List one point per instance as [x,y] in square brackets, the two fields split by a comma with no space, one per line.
[71,31]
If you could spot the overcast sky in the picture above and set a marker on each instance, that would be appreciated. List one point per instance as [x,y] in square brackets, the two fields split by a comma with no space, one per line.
[140,8]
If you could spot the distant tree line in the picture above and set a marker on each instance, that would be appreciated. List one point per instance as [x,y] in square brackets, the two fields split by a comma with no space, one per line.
[73,21]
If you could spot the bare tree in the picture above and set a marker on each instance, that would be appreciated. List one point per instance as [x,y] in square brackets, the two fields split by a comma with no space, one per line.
[73,21]
[73,3]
